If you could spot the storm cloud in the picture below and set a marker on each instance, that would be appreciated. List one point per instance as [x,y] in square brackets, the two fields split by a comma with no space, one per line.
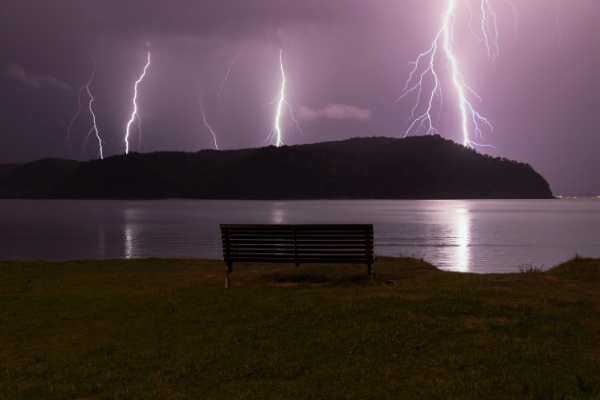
[16,71]
[120,19]
[334,111]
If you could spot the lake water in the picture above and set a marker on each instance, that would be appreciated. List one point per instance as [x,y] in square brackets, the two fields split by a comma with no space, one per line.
[470,236]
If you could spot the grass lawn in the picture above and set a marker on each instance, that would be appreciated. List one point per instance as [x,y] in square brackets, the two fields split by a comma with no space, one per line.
[167,329]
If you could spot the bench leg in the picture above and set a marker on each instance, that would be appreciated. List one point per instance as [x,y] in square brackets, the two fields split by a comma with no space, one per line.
[227,281]
[371,272]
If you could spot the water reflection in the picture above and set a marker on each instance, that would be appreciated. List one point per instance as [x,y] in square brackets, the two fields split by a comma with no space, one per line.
[129,250]
[278,215]
[471,235]
[129,232]
[462,234]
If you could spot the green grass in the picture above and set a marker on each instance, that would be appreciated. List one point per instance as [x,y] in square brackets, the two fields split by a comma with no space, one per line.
[167,329]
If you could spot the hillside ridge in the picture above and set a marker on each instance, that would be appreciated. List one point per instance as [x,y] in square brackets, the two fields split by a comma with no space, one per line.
[421,167]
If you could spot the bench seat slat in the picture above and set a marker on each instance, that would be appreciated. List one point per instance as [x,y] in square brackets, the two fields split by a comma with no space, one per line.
[303,259]
[324,242]
[239,253]
[338,256]
[240,247]
[298,226]
[262,240]
[331,234]
[261,237]
[300,253]
[300,250]
[312,261]
[306,243]
[265,245]
[337,233]
[332,242]
[285,253]
[265,249]
[287,232]
[311,251]
[305,256]
[290,235]
[331,237]
[332,228]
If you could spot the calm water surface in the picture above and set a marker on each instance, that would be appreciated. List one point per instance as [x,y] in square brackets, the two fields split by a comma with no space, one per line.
[470,236]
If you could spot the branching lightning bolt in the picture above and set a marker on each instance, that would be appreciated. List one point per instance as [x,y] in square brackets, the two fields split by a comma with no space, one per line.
[280,102]
[135,114]
[95,126]
[76,115]
[200,96]
[275,134]
[445,40]
[224,81]
[489,29]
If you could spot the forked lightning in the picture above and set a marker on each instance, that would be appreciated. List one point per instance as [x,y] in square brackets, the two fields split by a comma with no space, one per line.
[95,126]
[135,110]
[472,122]
[200,97]
[275,136]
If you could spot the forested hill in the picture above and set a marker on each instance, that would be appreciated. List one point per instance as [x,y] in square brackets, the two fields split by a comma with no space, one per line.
[423,167]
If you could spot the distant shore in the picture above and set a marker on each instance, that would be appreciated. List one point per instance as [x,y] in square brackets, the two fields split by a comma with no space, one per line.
[414,168]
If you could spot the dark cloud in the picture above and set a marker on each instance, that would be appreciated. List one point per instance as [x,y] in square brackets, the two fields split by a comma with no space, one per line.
[28,21]
[15,71]
[335,112]
[230,18]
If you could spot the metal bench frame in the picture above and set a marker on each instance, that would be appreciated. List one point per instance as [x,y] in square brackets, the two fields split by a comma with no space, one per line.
[297,244]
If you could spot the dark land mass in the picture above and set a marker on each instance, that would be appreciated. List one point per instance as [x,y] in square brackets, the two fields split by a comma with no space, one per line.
[34,180]
[424,167]
[6,168]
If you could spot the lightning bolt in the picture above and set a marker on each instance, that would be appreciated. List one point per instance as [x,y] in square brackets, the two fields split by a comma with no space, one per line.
[275,134]
[76,115]
[224,81]
[489,29]
[444,40]
[135,114]
[200,96]
[94,127]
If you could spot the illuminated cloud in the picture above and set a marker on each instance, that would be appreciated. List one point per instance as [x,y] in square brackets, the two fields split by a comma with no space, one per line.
[16,71]
[334,111]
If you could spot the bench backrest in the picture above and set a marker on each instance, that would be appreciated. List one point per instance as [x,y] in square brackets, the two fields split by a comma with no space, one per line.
[298,243]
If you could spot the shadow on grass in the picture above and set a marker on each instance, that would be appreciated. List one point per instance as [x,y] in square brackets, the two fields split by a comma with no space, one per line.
[387,271]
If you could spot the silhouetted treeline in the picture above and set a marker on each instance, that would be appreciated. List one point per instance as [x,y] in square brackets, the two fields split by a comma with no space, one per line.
[424,167]
[34,180]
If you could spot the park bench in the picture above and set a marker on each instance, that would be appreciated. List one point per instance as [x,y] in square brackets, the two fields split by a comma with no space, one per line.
[297,244]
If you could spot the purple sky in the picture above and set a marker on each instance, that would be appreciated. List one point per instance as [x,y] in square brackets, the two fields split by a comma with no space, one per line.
[346,64]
